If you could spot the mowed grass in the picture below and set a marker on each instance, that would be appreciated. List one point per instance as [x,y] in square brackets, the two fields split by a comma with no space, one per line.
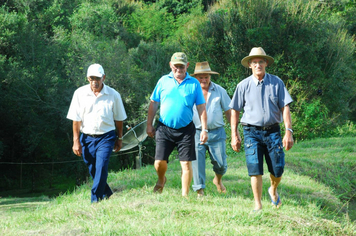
[317,191]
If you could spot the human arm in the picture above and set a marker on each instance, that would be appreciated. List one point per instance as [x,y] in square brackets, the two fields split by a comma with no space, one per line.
[119,130]
[152,109]
[288,136]
[203,120]
[77,147]
[228,115]
[235,135]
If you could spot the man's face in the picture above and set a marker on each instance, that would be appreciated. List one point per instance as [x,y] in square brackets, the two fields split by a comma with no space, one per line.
[258,66]
[179,70]
[204,80]
[96,83]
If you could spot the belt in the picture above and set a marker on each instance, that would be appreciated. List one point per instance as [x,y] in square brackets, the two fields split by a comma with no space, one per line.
[95,135]
[270,127]
[213,129]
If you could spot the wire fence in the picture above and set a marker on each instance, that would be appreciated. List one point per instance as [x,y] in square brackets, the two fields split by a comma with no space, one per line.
[21,164]
[54,162]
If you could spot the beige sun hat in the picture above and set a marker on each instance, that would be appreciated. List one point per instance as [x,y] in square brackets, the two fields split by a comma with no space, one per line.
[256,52]
[203,68]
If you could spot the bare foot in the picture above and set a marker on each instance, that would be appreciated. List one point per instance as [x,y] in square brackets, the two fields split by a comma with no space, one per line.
[220,187]
[159,187]
[200,192]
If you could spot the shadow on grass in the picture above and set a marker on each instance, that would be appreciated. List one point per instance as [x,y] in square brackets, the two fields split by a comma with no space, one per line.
[21,199]
[24,203]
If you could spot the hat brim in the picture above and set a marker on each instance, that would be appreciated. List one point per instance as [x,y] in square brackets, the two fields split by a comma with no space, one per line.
[95,75]
[205,72]
[179,63]
[245,60]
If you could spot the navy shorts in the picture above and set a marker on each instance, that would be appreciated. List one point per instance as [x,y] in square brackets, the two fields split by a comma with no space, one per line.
[259,143]
[167,139]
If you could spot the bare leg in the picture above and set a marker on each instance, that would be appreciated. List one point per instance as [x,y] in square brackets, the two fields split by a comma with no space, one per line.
[187,175]
[256,184]
[161,168]
[218,183]
[273,189]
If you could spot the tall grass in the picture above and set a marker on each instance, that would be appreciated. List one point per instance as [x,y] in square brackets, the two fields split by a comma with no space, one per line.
[317,191]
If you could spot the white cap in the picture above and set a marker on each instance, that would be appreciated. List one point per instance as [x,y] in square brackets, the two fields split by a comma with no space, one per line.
[95,70]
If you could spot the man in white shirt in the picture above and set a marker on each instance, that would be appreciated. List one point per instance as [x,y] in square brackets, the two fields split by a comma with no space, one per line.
[217,103]
[98,113]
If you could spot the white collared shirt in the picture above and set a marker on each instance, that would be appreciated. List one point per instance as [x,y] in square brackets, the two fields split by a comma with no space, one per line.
[97,113]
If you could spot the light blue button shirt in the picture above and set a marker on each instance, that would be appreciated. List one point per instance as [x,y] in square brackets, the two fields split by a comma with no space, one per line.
[218,102]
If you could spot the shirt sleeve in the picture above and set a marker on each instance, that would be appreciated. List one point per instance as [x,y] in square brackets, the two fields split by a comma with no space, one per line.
[284,97]
[225,99]
[119,110]
[74,112]
[156,94]
[237,100]
[200,96]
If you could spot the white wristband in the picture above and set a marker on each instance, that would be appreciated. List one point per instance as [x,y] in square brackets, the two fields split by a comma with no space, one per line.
[206,130]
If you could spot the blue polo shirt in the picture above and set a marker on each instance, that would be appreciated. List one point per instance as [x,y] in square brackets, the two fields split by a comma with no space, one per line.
[177,100]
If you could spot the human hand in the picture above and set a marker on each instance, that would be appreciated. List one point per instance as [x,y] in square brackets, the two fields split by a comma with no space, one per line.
[203,137]
[150,130]
[288,141]
[77,148]
[236,142]
[118,145]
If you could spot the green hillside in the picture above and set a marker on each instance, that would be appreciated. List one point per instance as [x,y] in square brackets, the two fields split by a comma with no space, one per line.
[318,193]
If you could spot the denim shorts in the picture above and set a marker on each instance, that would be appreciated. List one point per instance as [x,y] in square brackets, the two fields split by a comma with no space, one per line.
[168,138]
[259,143]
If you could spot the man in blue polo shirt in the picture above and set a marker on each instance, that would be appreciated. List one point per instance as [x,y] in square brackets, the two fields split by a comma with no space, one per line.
[176,94]
[265,103]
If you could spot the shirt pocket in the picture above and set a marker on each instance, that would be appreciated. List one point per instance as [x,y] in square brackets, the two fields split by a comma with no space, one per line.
[273,99]
[215,106]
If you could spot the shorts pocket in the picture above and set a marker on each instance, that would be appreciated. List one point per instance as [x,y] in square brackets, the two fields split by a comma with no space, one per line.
[251,154]
[279,155]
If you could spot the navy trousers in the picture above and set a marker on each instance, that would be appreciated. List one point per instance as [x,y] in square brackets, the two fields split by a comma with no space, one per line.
[96,154]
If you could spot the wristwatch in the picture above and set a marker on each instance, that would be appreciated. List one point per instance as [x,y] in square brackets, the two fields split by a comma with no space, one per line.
[206,130]
[290,130]
[119,138]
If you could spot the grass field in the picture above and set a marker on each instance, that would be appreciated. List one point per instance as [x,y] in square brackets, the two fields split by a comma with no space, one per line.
[318,192]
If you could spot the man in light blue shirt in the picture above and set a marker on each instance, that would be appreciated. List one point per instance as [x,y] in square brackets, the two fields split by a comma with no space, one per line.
[265,101]
[176,94]
[217,103]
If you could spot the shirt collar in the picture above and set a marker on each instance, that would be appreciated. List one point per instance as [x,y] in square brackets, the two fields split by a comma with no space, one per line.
[212,86]
[103,91]
[255,80]
[187,76]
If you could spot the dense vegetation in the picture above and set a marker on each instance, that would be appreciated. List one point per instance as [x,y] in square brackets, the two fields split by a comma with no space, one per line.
[47,45]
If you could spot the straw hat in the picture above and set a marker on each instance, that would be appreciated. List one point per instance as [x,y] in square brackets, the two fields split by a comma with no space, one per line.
[256,52]
[203,68]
